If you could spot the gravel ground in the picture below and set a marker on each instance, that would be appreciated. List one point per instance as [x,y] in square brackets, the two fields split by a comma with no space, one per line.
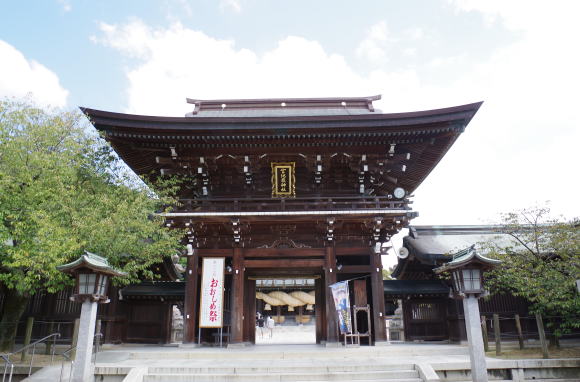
[291,334]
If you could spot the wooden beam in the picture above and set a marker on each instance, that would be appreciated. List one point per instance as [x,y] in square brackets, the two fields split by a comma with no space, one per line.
[214,252]
[320,311]
[284,263]
[355,269]
[237,302]
[190,298]
[330,278]
[284,252]
[250,311]
[352,251]
[378,297]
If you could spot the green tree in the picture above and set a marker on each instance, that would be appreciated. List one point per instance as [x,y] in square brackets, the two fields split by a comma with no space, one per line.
[388,272]
[541,266]
[62,191]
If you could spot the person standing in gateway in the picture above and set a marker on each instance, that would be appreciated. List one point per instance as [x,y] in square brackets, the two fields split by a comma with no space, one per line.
[270,325]
[260,321]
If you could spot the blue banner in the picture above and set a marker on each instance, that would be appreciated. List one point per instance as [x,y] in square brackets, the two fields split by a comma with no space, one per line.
[342,304]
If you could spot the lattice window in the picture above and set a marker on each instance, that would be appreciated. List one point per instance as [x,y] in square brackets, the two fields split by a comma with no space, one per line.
[425,311]
[63,304]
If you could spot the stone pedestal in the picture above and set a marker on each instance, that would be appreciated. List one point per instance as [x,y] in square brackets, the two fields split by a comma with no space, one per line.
[83,368]
[475,338]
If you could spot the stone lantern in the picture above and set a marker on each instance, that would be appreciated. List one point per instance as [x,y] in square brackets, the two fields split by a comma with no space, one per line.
[91,274]
[467,268]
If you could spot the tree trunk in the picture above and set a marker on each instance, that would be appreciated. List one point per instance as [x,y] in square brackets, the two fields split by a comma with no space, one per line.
[14,306]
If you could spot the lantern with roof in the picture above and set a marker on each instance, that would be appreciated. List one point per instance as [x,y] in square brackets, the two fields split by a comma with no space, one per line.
[467,268]
[92,273]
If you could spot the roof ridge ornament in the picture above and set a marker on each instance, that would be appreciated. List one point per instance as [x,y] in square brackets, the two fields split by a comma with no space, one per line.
[274,103]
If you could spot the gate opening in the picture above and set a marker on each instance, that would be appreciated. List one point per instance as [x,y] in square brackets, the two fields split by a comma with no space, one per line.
[285,311]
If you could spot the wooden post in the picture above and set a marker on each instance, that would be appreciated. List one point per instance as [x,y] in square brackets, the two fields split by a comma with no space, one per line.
[484,334]
[237,299]
[378,298]
[27,336]
[250,311]
[519,329]
[330,278]
[319,310]
[98,327]
[190,298]
[48,348]
[497,334]
[542,335]
[75,338]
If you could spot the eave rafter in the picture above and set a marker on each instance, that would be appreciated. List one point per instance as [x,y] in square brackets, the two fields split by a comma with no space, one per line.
[349,169]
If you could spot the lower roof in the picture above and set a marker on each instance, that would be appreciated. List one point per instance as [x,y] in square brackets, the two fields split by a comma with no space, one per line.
[400,288]
[435,244]
[152,289]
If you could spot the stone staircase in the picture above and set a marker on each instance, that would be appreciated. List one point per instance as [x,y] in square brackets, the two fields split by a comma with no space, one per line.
[401,362]
[263,363]
[286,371]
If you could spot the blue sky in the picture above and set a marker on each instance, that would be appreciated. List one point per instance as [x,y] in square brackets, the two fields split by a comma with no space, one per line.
[58,34]
[521,57]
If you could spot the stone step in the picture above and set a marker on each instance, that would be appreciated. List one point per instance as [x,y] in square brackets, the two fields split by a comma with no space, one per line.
[290,367]
[406,375]
[307,353]
[529,380]
[532,380]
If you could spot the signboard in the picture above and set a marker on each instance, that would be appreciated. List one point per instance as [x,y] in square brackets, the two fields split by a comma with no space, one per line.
[212,293]
[283,180]
[342,304]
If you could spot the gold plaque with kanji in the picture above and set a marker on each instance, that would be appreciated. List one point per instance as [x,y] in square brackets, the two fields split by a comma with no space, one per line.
[283,180]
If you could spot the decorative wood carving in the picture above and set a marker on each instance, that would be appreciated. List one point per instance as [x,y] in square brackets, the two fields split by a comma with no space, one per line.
[285,243]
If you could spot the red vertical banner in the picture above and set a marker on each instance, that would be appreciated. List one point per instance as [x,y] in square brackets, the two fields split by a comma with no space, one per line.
[212,293]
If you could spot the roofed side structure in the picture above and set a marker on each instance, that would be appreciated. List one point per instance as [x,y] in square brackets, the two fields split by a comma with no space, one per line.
[431,246]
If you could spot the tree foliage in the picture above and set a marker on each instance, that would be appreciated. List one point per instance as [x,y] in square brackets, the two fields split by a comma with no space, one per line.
[388,272]
[541,266]
[62,191]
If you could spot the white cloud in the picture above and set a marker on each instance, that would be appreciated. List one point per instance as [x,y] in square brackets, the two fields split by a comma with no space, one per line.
[519,149]
[231,5]
[374,46]
[20,77]
[178,62]
[65,4]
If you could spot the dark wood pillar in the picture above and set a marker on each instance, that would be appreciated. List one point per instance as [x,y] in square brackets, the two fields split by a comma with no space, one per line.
[168,307]
[320,310]
[330,278]
[378,295]
[190,298]
[250,311]
[237,302]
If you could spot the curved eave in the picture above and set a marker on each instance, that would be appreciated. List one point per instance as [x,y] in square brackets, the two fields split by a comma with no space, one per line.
[471,257]
[104,120]
[86,261]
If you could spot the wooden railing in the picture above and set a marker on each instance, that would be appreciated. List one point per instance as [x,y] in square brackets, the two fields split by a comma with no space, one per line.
[292,204]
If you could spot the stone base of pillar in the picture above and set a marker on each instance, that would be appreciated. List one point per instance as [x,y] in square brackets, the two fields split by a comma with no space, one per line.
[190,346]
[237,346]
[382,343]
[333,344]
